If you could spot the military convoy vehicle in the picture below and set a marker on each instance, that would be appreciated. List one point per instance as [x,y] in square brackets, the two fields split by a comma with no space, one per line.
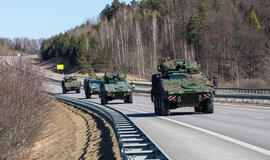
[71,83]
[115,86]
[181,84]
[91,86]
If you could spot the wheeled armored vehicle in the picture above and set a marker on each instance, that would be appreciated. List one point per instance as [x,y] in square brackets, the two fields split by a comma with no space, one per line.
[181,84]
[91,86]
[71,83]
[115,86]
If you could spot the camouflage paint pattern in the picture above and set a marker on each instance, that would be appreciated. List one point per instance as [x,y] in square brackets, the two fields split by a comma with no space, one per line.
[116,86]
[182,84]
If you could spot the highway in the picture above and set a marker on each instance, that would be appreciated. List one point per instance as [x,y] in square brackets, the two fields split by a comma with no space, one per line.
[233,132]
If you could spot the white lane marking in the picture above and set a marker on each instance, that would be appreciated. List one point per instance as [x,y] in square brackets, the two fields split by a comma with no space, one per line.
[257,117]
[226,138]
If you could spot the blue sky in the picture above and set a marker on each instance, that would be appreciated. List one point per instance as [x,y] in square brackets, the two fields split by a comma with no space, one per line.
[45,18]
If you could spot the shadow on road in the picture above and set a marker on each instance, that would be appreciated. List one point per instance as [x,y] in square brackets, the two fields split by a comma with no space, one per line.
[70,92]
[182,113]
[88,98]
[155,115]
[113,103]
[142,115]
[51,80]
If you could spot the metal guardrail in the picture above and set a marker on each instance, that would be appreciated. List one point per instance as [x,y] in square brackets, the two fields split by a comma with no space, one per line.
[244,96]
[142,91]
[226,95]
[133,143]
[245,90]
[221,89]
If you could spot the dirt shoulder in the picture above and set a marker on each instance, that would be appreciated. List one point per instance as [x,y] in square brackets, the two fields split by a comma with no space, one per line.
[70,133]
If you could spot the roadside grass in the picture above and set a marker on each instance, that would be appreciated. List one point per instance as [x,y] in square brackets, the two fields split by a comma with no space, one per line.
[23,107]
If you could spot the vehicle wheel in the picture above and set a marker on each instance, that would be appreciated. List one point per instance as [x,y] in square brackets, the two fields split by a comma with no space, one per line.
[126,99]
[198,109]
[103,99]
[152,97]
[130,99]
[164,107]
[78,90]
[87,95]
[208,107]
[64,90]
[156,104]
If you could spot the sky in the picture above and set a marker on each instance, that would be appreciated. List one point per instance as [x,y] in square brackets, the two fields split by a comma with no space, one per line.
[45,18]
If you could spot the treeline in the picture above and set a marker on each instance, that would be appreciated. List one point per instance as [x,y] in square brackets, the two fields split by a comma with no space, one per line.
[229,38]
[26,45]
[83,51]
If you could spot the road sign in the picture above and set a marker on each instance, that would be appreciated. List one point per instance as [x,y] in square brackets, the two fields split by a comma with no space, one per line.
[60,67]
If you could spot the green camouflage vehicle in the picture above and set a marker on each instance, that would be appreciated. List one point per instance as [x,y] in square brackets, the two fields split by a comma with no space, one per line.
[181,84]
[71,83]
[91,86]
[115,86]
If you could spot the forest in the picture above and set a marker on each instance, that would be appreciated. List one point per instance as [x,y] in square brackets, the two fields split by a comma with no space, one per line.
[228,38]
[22,45]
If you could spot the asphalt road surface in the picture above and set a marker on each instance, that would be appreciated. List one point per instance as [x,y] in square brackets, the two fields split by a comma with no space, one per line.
[233,132]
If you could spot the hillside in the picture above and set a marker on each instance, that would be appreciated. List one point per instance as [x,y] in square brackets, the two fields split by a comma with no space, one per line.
[229,38]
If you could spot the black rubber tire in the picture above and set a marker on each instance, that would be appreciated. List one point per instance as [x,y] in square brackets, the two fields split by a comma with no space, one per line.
[158,106]
[64,90]
[164,107]
[86,94]
[208,107]
[103,99]
[155,99]
[126,99]
[78,90]
[130,99]
[198,109]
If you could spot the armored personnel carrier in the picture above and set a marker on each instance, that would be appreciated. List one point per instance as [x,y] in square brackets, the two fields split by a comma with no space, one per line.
[115,86]
[71,83]
[181,84]
[91,86]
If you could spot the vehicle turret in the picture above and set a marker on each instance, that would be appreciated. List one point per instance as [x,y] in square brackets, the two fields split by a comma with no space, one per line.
[92,86]
[71,83]
[181,84]
[115,86]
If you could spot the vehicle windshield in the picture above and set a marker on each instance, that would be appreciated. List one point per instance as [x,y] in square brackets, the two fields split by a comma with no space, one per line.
[95,82]
[177,76]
